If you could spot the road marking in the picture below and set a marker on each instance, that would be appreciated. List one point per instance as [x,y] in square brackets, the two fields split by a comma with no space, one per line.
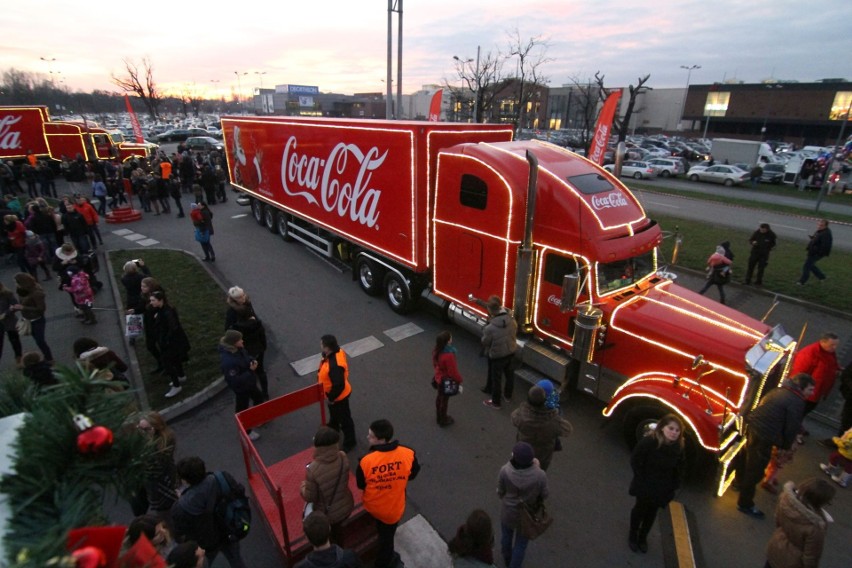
[122,232]
[134,237]
[239,216]
[148,242]
[403,331]
[664,204]
[137,238]
[789,227]
[354,349]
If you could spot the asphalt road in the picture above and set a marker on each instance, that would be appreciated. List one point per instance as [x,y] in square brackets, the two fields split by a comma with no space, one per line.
[785,225]
[300,297]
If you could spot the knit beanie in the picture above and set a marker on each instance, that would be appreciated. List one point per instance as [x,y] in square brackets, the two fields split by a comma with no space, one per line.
[231,337]
[522,454]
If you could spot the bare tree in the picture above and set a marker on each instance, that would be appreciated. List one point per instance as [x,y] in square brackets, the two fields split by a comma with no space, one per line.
[480,78]
[148,91]
[531,54]
[640,88]
[583,106]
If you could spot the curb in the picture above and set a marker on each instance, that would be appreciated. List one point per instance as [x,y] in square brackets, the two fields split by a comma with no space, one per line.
[187,404]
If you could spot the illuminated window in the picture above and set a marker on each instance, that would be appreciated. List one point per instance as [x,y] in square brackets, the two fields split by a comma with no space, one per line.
[717,104]
[474,192]
[841,106]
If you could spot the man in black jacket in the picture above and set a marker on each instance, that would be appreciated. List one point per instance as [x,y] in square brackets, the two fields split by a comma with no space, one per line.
[775,422]
[762,242]
[818,247]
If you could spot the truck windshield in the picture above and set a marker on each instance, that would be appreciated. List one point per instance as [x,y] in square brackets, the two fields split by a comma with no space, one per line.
[621,273]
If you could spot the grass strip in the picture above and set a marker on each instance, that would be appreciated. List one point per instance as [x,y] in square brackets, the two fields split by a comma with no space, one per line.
[201,307]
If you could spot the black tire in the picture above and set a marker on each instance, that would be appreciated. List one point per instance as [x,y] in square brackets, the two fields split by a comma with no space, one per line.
[637,420]
[397,293]
[282,228]
[728,183]
[637,175]
[270,218]
[693,177]
[370,276]
[665,173]
[257,210]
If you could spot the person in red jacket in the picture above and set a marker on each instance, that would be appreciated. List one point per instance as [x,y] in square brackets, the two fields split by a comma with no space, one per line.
[333,374]
[383,474]
[88,212]
[819,360]
[444,363]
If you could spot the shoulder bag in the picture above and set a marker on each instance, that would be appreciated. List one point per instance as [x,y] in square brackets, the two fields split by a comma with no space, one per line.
[535,519]
[449,387]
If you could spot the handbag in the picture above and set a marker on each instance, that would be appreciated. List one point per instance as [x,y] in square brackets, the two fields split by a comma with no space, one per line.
[202,236]
[535,519]
[449,387]
[133,325]
[24,327]
[309,506]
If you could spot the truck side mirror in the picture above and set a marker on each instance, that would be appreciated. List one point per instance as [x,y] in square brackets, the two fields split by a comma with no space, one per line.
[570,291]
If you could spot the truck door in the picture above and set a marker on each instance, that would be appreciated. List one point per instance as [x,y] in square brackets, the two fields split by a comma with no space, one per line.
[475,252]
[548,317]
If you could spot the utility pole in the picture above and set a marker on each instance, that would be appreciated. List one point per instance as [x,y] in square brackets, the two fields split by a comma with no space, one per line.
[394,6]
[686,93]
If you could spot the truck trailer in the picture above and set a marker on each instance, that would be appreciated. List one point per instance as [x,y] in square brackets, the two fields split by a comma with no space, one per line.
[750,152]
[454,213]
[28,130]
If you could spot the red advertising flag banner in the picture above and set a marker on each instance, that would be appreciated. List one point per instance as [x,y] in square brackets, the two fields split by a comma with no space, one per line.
[134,121]
[603,128]
[435,106]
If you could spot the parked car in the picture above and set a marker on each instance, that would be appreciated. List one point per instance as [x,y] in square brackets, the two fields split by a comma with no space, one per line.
[667,167]
[772,173]
[181,134]
[727,175]
[204,143]
[634,169]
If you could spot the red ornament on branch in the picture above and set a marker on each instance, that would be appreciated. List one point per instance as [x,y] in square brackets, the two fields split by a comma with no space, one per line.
[92,439]
[89,557]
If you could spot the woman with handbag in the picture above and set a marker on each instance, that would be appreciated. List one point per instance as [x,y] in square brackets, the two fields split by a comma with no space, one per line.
[658,463]
[326,484]
[32,307]
[446,373]
[521,486]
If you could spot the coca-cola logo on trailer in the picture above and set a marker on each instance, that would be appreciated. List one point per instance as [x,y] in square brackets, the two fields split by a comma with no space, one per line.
[612,199]
[342,180]
[10,139]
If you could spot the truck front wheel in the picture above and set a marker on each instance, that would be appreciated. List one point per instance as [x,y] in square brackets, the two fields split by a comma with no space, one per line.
[369,275]
[257,210]
[398,293]
[639,421]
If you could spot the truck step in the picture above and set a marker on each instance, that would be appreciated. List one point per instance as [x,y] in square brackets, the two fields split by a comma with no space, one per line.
[551,363]
[531,376]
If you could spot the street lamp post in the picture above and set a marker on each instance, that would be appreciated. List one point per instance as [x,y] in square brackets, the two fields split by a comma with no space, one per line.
[260,74]
[689,70]
[239,86]
[463,63]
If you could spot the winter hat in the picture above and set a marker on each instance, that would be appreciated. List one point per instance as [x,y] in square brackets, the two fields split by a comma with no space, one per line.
[231,337]
[30,234]
[31,358]
[547,385]
[193,205]
[720,250]
[536,396]
[522,454]
[236,293]
[66,252]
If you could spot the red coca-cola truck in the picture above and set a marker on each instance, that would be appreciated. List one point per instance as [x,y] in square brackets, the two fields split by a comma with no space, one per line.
[453,213]
[28,130]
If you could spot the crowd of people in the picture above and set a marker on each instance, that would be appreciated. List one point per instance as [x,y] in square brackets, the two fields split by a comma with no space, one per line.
[175,506]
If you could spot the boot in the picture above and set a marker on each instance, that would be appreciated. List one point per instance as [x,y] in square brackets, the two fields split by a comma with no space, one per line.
[642,541]
[842,479]
[633,541]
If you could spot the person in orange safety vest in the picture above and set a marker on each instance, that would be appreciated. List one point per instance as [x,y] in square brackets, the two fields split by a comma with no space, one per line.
[383,475]
[333,374]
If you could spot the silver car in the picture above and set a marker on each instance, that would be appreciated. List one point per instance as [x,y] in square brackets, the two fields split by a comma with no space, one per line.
[727,175]
[666,168]
[634,169]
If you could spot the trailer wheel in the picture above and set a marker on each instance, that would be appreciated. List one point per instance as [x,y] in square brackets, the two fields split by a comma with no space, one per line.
[397,293]
[370,276]
[281,225]
[257,210]
[638,421]
[270,218]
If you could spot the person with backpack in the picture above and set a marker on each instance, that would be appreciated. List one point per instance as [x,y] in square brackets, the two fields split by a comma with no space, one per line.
[204,513]
[325,554]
